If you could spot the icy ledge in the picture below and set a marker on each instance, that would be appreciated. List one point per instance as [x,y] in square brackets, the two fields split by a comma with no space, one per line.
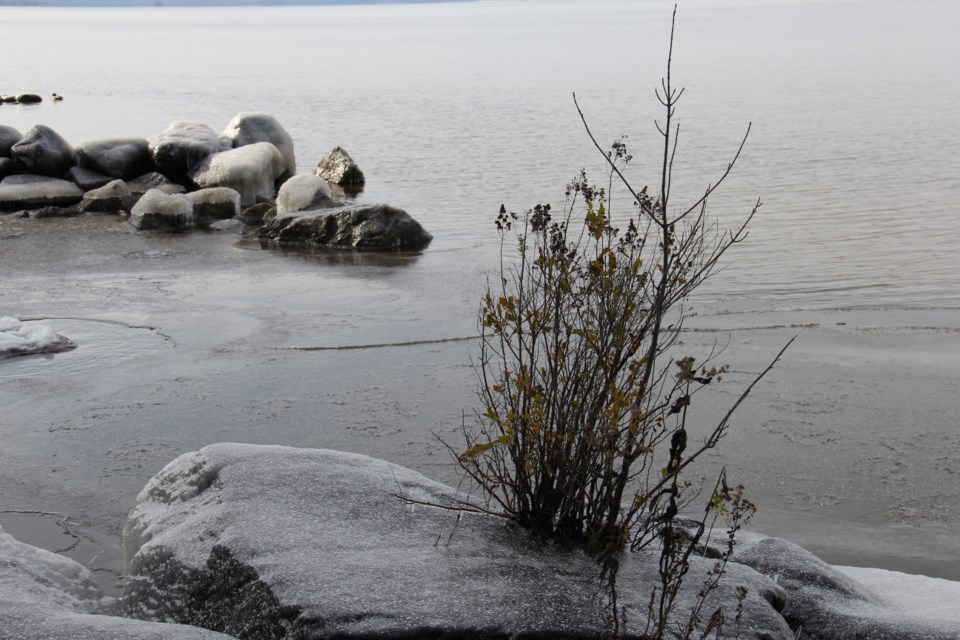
[17,340]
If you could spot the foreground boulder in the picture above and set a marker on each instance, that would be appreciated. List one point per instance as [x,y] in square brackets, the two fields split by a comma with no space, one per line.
[8,137]
[123,158]
[252,170]
[43,151]
[45,596]
[322,544]
[213,204]
[248,128]
[378,227]
[339,168]
[182,146]
[34,192]
[161,211]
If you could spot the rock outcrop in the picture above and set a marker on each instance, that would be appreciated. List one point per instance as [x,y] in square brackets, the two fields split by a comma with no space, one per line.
[378,227]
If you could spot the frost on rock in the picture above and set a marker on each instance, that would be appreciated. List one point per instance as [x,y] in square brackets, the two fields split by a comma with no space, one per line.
[374,227]
[248,128]
[304,192]
[113,197]
[251,170]
[33,192]
[45,596]
[328,541]
[181,146]
[213,204]
[157,210]
[828,603]
[18,340]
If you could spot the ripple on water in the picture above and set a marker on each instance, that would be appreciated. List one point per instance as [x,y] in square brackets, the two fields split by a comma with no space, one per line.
[99,343]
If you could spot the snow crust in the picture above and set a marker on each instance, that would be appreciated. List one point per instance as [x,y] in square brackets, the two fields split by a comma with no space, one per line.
[913,595]
[18,340]
[304,192]
[44,595]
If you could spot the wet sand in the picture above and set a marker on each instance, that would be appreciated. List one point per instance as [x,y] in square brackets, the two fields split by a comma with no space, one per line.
[849,447]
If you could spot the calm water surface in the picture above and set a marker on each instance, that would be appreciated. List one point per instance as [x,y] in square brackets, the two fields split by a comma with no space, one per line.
[452,110]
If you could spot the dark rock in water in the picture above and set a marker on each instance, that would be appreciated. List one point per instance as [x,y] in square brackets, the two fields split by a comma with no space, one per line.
[29,98]
[42,151]
[305,192]
[326,543]
[378,226]
[8,168]
[123,158]
[182,146]
[161,211]
[215,203]
[87,179]
[34,192]
[9,99]
[339,168]
[248,128]
[827,604]
[153,180]
[114,197]
[258,213]
[252,170]
[8,137]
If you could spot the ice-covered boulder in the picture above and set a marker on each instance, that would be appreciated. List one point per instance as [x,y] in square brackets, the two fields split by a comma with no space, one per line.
[214,203]
[87,179]
[43,151]
[248,128]
[304,192]
[339,168]
[157,210]
[322,543]
[18,340]
[252,170]
[830,605]
[34,192]
[378,227]
[113,197]
[123,158]
[181,146]
[45,596]
[8,137]
[153,180]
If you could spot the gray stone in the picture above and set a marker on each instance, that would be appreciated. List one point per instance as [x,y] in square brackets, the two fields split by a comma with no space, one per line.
[8,168]
[114,197]
[87,179]
[252,170]
[182,146]
[123,158]
[161,211]
[153,180]
[35,192]
[305,192]
[214,203]
[45,213]
[248,128]
[8,137]
[377,226]
[42,151]
[339,168]
[29,98]
[258,213]
[331,549]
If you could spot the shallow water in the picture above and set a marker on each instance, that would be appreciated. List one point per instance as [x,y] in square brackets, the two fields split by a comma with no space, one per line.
[847,447]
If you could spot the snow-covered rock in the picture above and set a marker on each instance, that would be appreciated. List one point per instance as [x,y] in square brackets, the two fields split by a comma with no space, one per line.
[8,137]
[113,197]
[252,170]
[339,168]
[157,210]
[250,127]
[323,543]
[829,604]
[18,340]
[215,203]
[45,596]
[181,146]
[304,192]
[379,226]
[43,151]
[33,192]
[123,158]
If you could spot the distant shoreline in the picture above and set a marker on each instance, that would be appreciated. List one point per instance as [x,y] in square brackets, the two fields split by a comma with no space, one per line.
[122,4]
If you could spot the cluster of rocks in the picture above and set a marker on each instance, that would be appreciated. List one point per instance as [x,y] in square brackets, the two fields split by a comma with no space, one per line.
[24,98]
[190,177]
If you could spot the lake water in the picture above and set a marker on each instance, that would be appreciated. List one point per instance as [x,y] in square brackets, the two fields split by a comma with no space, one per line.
[452,110]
